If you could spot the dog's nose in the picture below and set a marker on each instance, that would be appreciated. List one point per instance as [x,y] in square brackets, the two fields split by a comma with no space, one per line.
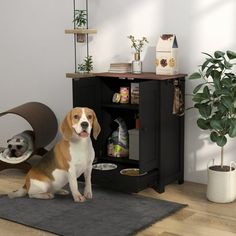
[13,152]
[84,125]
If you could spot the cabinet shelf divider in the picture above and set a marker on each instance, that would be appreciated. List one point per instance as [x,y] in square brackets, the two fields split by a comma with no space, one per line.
[121,106]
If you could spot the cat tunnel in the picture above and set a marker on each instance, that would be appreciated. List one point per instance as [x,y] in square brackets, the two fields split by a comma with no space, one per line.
[44,128]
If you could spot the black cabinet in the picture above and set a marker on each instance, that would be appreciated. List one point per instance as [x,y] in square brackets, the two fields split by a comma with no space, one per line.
[161,140]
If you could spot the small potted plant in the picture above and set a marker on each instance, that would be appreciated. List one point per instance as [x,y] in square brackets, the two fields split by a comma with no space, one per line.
[80,18]
[80,21]
[86,66]
[215,100]
[138,45]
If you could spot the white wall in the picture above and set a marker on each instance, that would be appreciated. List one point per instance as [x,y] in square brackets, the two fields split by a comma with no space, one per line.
[35,54]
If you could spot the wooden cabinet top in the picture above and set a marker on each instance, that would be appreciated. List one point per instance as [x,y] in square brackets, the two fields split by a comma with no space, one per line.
[144,75]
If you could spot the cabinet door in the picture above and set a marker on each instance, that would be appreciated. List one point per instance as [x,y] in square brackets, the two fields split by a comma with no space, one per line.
[87,93]
[149,118]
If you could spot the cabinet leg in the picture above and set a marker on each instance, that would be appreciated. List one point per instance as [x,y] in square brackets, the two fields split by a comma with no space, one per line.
[180,181]
[160,188]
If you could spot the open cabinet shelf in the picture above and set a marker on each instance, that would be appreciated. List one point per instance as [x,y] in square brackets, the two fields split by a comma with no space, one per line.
[80,31]
[120,160]
[79,75]
[161,134]
[120,106]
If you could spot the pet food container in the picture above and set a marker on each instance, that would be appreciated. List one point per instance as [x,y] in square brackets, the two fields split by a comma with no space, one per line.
[104,166]
[132,172]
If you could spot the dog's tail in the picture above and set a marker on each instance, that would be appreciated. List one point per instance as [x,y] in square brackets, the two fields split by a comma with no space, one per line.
[18,193]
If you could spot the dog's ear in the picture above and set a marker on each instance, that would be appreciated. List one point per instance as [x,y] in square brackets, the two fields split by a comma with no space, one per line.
[96,126]
[66,127]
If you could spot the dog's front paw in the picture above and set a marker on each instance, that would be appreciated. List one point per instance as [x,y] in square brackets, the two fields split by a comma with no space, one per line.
[78,197]
[88,194]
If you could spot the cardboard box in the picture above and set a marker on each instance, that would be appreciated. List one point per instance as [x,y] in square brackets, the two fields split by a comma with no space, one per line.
[167,55]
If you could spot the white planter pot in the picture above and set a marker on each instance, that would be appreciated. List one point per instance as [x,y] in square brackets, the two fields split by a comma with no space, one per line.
[221,187]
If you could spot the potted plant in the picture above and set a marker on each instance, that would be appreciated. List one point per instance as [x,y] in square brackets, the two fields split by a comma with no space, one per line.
[80,21]
[86,66]
[80,18]
[215,100]
[137,44]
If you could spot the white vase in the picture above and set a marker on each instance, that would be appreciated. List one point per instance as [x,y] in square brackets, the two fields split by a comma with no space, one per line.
[221,186]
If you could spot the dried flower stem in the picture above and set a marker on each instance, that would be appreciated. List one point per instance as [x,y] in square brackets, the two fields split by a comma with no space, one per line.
[137,44]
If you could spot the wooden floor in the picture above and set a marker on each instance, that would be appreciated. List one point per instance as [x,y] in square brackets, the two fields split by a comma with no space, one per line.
[200,218]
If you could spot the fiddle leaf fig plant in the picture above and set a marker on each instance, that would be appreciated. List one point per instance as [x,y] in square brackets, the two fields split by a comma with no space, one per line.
[215,97]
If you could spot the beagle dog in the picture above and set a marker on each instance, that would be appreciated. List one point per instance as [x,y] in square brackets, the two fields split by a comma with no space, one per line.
[72,156]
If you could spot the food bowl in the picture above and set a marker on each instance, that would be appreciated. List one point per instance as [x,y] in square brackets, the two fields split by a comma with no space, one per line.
[104,166]
[132,172]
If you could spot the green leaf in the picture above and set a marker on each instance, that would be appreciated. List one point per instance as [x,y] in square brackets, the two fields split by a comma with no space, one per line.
[199,97]
[203,124]
[206,92]
[221,141]
[221,66]
[228,102]
[227,82]
[216,125]
[219,54]
[195,75]
[216,61]
[226,123]
[197,88]
[209,70]
[232,129]
[213,136]
[205,64]
[215,74]
[231,54]
[222,108]
[230,75]
[204,110]
[228,65]
[207,54]
[226,92]
[216,82]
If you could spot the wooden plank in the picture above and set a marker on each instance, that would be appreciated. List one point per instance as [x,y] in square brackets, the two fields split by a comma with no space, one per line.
[80,31]
[80,75]
[144,75]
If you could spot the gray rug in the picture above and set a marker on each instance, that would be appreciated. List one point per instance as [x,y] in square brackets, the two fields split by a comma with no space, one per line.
[108,213]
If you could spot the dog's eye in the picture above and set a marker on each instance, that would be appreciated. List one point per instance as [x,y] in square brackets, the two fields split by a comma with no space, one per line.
[76,117]
[9,146]
[89,117]
[18,146]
